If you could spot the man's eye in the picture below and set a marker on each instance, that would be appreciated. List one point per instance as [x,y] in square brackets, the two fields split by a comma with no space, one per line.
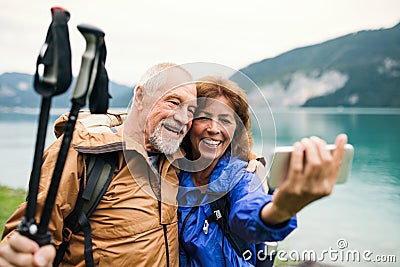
[191,111]
[175,103]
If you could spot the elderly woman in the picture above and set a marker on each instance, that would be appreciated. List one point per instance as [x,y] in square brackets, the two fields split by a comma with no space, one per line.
[219,144]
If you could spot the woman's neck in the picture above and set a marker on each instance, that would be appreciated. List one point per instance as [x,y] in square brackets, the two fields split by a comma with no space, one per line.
[202,178]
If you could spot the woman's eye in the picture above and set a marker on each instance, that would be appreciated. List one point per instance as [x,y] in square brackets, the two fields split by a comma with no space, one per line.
[226,121]
[202,118]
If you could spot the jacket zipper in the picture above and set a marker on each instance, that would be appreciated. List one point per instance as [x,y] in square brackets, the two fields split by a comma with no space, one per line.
[159,214]
[181,233]
[166,244]
[165,235]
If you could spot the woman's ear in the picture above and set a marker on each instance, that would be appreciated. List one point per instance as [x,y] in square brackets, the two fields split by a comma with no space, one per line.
[138,98]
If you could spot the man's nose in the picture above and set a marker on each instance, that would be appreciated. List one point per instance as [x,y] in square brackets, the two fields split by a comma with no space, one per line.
[181,114]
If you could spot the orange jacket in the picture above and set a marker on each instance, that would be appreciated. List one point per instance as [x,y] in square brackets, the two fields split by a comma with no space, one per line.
[130,227]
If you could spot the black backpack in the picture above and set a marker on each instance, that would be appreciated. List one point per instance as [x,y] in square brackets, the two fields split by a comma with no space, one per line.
[100,170]
[265,252]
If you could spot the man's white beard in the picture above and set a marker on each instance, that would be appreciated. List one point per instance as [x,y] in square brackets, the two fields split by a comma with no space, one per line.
[165,145]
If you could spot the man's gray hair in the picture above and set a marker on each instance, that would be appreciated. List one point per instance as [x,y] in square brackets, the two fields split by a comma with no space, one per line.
[155,77]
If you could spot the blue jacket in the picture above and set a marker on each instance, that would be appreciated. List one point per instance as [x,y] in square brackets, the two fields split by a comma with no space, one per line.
[246,198]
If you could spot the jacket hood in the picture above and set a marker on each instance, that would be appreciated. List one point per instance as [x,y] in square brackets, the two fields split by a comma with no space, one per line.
[93,132]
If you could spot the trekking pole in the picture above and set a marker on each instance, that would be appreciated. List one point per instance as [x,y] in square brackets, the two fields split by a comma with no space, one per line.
[92,60]
[52,77]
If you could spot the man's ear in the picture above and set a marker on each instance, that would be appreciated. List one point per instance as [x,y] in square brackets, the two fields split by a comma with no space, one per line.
[139,96]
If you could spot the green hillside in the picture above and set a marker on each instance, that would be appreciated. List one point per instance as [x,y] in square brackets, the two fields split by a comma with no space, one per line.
[370,61]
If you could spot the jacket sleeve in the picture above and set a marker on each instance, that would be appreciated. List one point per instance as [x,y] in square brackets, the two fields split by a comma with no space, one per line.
[246,199]
[66,195]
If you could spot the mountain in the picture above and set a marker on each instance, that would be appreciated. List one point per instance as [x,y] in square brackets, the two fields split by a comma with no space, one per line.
[16,90]
[360,69]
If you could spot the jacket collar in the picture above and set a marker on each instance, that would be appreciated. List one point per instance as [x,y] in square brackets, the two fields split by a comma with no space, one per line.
[224,177]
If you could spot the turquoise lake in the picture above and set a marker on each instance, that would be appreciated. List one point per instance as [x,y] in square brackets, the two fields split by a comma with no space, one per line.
[364,212]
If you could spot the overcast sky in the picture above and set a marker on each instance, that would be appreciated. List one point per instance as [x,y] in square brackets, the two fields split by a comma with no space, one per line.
[142,33]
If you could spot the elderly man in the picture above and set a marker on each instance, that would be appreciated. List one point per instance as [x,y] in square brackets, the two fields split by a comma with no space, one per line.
[130,226]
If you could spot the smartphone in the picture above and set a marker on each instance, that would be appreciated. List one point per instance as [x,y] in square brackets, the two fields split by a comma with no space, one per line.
[280,164]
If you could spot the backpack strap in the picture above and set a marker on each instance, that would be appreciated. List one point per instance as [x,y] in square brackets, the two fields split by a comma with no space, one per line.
[220,215]
[100,170]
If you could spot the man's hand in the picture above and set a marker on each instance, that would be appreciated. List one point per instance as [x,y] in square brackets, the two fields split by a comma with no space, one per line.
[19,250]
[253,164]
[312,175]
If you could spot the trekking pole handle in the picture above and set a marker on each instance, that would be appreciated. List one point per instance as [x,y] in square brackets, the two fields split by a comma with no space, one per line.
[53,76]
[50,74]
[84,85]
[53,67]
[90,59]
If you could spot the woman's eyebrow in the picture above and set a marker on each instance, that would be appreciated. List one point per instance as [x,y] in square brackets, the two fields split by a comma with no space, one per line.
[201,111]
[225,115]
[209,114]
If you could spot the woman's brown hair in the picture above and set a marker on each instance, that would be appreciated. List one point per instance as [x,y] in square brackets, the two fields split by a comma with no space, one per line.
[213,87]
